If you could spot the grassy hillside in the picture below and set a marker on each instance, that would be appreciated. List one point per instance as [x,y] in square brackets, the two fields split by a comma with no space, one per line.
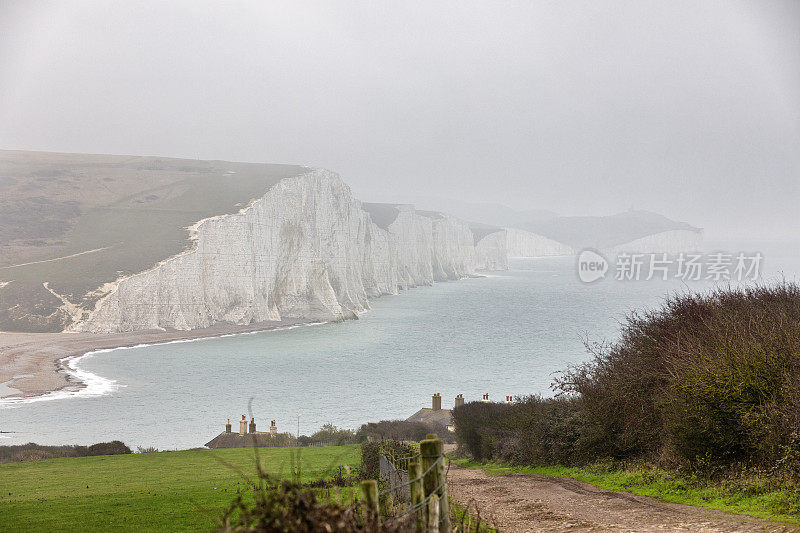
[77,221]
[166,491]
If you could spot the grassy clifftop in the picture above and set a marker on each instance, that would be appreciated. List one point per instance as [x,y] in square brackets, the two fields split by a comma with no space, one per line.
[77,221]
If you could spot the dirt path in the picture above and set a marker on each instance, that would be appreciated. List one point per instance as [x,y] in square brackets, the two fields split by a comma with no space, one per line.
[529,502]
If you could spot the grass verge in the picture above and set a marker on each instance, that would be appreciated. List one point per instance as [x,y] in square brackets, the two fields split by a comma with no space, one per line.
[746,494]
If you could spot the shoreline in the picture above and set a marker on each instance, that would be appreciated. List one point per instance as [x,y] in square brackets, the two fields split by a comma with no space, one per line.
[37,365]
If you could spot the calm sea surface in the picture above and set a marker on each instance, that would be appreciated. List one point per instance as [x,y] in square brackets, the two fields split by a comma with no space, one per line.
[505,334]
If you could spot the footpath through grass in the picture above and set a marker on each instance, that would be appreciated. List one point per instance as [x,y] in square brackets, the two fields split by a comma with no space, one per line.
[753,496]
[164,491]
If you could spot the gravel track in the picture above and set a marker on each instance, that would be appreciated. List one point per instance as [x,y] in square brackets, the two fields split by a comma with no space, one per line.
[533,503]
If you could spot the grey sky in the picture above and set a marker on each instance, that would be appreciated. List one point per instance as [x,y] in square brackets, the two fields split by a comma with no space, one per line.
[691,109]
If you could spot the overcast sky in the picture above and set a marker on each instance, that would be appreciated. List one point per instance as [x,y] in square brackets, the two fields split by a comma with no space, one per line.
[691,109]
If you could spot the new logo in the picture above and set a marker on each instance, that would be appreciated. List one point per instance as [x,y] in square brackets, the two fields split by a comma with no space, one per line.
[591,266]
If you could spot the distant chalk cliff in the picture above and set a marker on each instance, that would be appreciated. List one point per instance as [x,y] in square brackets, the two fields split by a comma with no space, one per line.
[521,243]
[306,249]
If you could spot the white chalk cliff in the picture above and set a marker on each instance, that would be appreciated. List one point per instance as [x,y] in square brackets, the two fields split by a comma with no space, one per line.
[306,249]
[521,243]
[490,251]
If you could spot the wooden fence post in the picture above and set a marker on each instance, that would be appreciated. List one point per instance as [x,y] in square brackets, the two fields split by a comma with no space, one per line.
[369,493]
[432,452]
[433,514]
[444,501]
[417,493]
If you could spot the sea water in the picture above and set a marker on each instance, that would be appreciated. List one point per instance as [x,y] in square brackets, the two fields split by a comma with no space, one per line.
[508,333]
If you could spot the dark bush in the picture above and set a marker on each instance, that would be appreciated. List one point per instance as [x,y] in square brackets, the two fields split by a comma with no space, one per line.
[32,451]
[479,426]
[114,447]
[401,430]
[546,431]
[333,436]
[708,377]
[531,431]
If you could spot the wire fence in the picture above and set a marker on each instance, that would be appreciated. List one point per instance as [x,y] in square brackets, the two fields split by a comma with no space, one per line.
[395,471]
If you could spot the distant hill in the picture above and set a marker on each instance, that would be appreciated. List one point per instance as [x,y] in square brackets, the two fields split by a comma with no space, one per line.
[576,231]
[484,213]
[605,232]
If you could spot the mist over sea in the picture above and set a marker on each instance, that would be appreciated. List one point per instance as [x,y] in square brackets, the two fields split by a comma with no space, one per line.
[504,334]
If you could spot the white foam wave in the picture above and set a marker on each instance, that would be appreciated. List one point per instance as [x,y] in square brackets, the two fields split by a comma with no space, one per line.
[89,385]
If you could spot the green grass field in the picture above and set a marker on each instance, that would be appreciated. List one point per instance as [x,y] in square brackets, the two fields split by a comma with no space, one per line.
[165,491]
[758,497]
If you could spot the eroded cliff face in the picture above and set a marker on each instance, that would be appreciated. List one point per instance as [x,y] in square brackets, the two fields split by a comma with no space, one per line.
[305,249]
[491,253]
[521,243]
[453,251]
[412,239]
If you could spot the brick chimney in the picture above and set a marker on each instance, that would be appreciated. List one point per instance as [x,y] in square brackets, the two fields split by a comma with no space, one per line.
[459,401]
[509,400]
[273,429]
[228,426]
[243,426]
[485,398]
[252,425]
[437,402]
